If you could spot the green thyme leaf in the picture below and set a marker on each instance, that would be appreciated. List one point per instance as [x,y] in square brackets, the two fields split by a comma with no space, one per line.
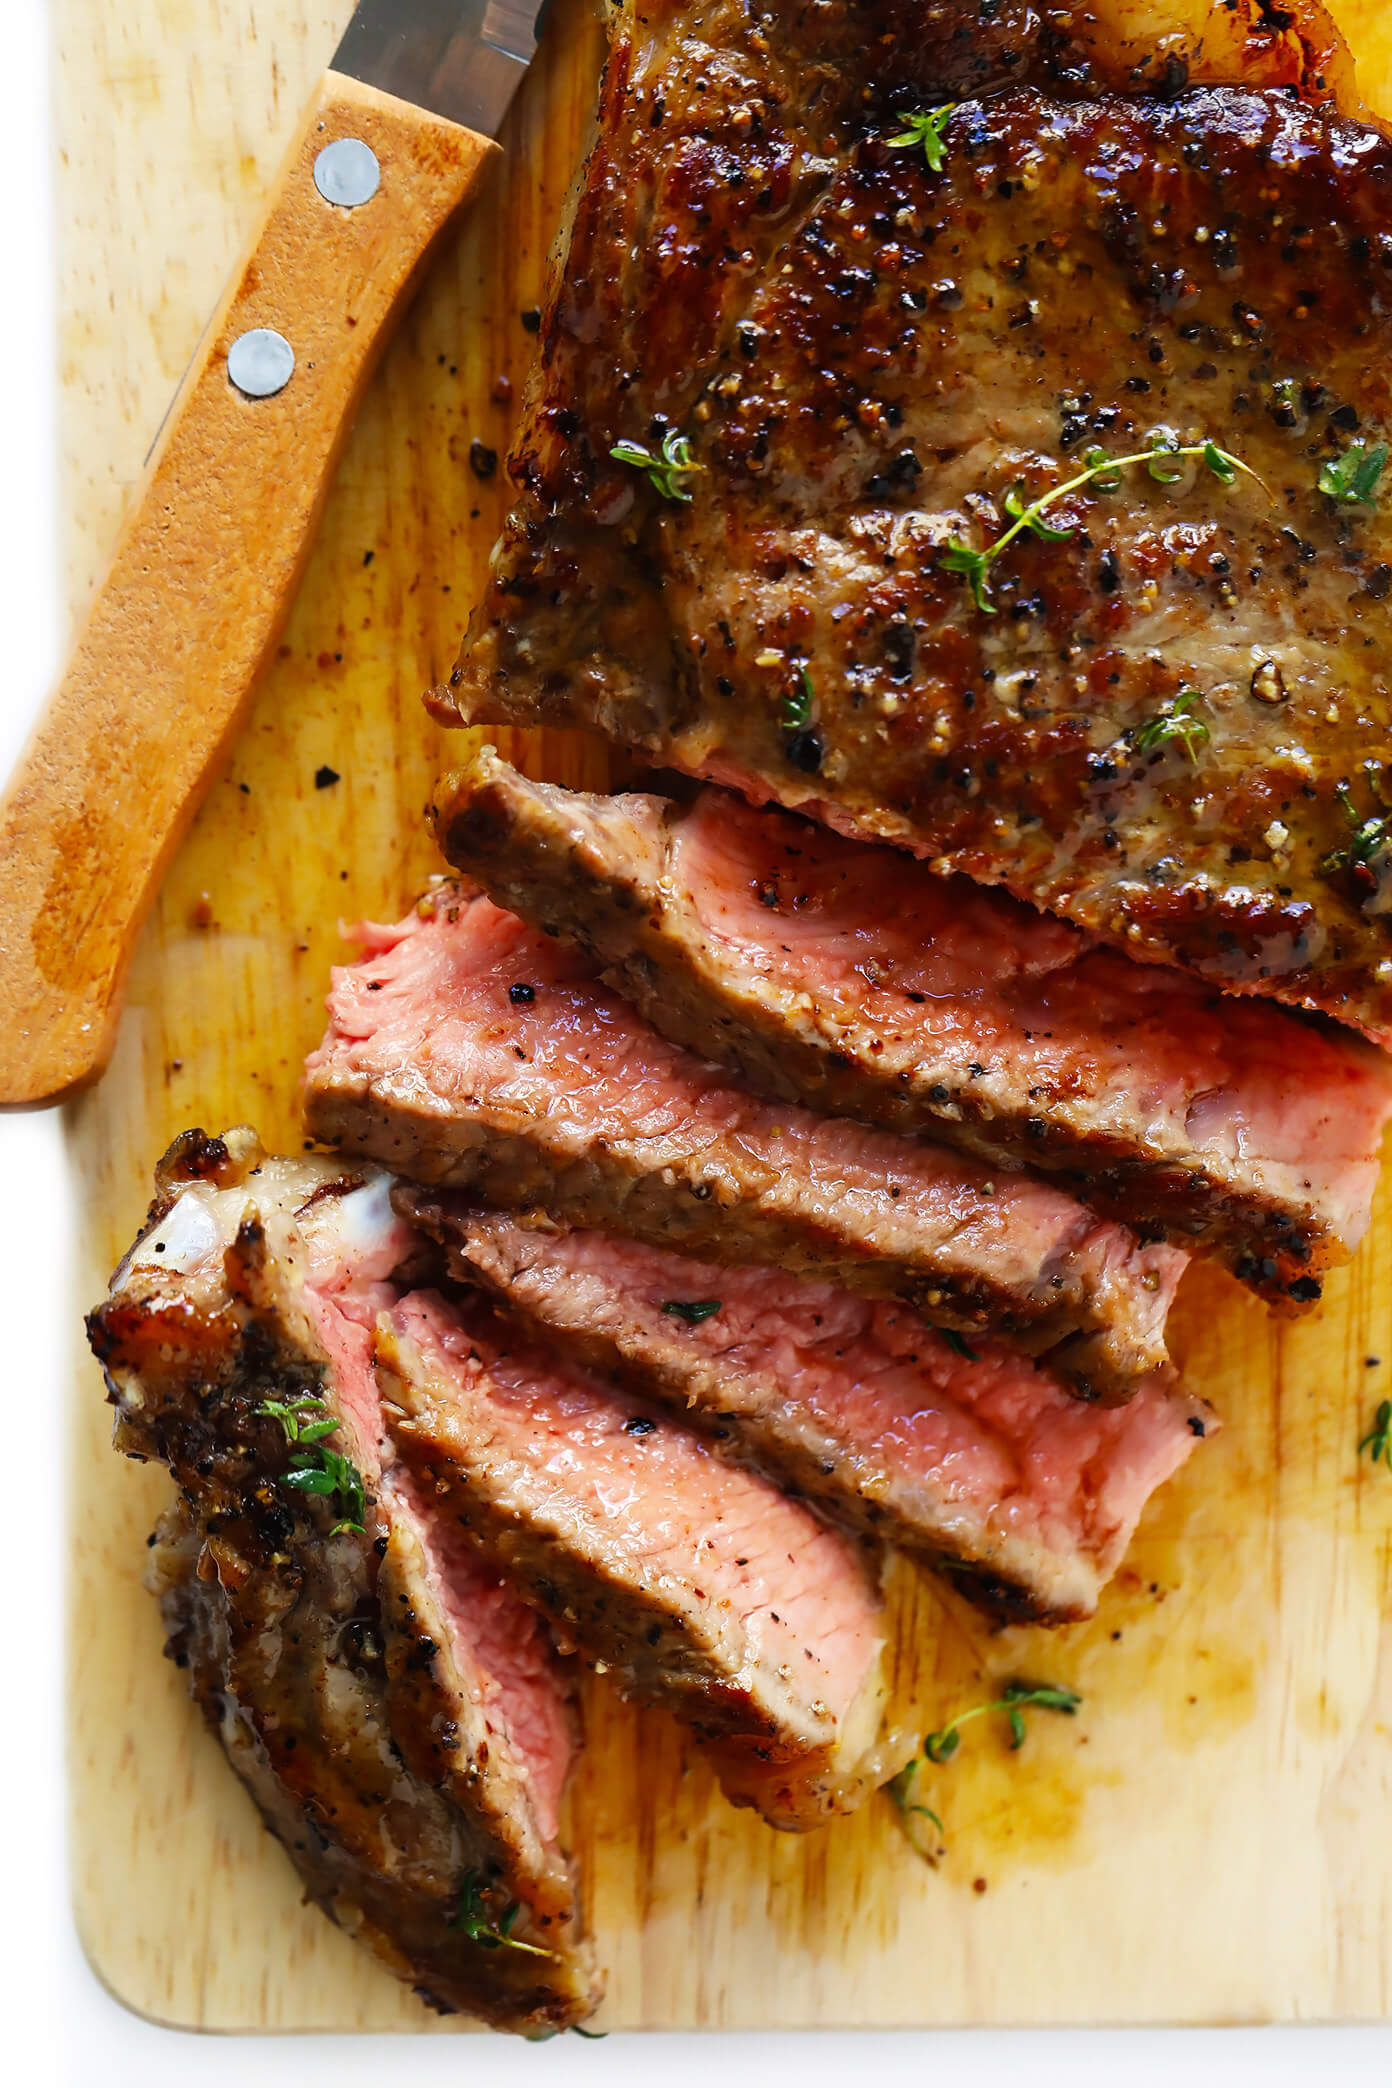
[692,1310]
[1222,463]
[304,1419]
[975,565]
[1166,466]
[797,705]
[957,1344]
[472,1918]
[1368,838]
[1353,479]
[1033,520]
[668,469]
[901,1793]
[1105,473]
[310,1479]
[926,127]
[1379,1436]
[1175,724]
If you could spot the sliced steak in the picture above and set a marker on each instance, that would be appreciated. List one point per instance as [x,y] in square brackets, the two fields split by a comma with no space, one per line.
[467,1049]
[850,979]
[839,363]
[697,1584]
[391,1704]
[975,1460]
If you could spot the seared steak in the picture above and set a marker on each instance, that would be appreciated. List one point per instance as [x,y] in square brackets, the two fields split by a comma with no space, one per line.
[854,980]
[469,1050]
[391,1704]
[842,340]
[697,1584]
[974,1459]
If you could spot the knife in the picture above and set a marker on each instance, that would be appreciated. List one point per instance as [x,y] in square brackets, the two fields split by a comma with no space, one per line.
[397,136]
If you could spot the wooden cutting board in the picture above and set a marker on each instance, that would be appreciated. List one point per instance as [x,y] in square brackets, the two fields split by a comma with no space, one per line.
[1210,1840]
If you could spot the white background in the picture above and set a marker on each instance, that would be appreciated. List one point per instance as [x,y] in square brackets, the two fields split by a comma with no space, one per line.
[56,2023]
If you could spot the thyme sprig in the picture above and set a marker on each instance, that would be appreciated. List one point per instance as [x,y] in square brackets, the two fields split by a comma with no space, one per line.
[926,127]
[1379,1436]
[900,1793]
[692,1310]
[1176,723]
[797,704]
[313,1468]
[491,1932]
[1353,478]
[667,469]
[1164,461]
[1015,1699]
[958,1344]
[1367,838]
[305,1419]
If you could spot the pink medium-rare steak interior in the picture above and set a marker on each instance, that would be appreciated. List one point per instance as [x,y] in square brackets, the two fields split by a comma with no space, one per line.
[501,1646]
[351,1245]
[854,980]
[980,1457]
[788,1594]
[462,1025]
[958,968]
[499,1643]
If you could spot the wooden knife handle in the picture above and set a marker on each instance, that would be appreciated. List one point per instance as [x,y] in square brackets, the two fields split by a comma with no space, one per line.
[204,571]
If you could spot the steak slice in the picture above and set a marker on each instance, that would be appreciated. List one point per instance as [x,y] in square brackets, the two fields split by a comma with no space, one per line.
[467,1049]
[850,979]
[1166,716]
[974,1460]
[391,1704]
[697,1584]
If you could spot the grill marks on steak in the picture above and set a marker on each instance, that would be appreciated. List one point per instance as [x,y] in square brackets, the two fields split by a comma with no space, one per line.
[466,1049]
[980,1464]
[699,1585]
[1089,267]
[848,978]
[391,1705]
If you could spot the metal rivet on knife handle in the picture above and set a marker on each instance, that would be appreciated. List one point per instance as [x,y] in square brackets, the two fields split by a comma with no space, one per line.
[261,362]
[347,173]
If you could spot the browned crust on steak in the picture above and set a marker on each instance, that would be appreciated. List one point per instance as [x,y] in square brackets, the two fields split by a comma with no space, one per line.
[1211,260]
[278,1627]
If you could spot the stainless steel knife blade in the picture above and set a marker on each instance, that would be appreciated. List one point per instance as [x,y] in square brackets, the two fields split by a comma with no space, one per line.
[463,59]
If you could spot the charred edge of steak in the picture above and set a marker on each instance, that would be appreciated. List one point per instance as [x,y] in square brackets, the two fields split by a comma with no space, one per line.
[378,1852]
[246,1573]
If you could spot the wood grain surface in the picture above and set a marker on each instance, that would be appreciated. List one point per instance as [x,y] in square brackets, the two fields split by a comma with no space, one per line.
[1208,1841]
